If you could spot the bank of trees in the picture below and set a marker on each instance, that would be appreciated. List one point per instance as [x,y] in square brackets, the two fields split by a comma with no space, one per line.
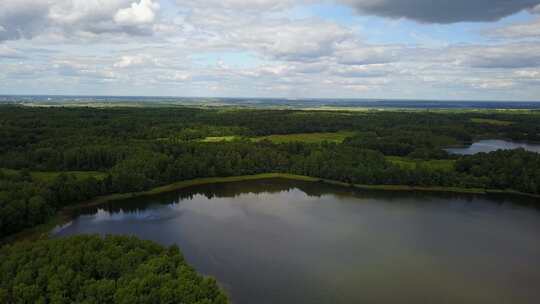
[26,201]
[91,269]
[517,169]
[22,203]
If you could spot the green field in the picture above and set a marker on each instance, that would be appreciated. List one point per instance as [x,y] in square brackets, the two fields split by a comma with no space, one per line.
[411,164]
[214,139]
[336,137]
[493,122]
[49,176]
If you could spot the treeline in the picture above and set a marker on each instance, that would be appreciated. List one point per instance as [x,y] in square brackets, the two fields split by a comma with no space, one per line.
[26,202]
[91,269]
[517,169]
[417,145]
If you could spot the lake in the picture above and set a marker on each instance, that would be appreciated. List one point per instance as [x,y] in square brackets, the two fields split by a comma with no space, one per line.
[280,241]
[491,145]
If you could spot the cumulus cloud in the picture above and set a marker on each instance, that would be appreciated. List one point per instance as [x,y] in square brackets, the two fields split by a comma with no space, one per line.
[22,19]
[297,40]
[129,61]
[140,60]
[29,18]
[143,12]
[442,11]
[271,37]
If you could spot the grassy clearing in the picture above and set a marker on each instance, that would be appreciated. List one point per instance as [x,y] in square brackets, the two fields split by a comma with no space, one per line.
[411,164]
[48,176]
[493,122]
[337,137]
[214,139]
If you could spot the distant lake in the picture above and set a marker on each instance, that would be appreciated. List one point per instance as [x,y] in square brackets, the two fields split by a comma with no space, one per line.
[493,145]
[279,241]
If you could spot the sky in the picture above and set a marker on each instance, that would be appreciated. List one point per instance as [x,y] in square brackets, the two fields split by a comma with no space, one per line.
[395,49]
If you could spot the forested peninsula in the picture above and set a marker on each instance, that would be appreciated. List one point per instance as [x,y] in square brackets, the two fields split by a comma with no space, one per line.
[91,269]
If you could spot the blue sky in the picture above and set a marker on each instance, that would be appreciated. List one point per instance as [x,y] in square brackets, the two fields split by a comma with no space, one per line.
[413,49]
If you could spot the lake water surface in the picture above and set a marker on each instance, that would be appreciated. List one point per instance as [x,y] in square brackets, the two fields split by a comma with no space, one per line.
[278,241]
[491,145]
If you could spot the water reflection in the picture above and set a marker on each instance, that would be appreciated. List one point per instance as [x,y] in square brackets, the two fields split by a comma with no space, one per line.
[278,241]
[491,145]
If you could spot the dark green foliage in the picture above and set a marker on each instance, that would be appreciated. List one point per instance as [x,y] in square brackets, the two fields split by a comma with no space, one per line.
[517,170]
[22,203]
[402,143]
[91,269]
[26,202]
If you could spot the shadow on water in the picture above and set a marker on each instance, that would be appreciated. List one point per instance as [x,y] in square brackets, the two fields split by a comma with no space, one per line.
[312,189]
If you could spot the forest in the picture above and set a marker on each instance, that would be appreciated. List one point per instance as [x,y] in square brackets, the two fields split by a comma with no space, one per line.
[91,269]
[59,156]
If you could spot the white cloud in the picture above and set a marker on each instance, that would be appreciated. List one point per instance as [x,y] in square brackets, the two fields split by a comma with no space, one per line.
[529,74]
[143,12]
[130,61]
[83,18]
[7,52]
[181,76]
[79,12]
[295,40]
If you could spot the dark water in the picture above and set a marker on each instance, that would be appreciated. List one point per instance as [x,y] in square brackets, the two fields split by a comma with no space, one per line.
[277,241]
[494,145]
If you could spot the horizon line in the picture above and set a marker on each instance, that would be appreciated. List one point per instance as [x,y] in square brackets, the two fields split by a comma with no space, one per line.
[271,98]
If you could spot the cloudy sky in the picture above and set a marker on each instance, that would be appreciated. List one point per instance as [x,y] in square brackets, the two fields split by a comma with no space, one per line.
[424,49]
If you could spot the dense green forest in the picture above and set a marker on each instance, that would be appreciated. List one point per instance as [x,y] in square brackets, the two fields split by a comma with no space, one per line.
[54,157]
[91,269]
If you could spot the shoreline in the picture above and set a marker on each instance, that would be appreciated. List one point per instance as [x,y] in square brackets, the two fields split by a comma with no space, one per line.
[65,215]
